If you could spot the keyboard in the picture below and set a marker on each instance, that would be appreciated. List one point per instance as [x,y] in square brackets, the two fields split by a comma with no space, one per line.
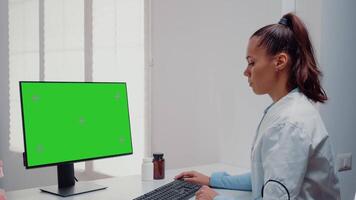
[175,190]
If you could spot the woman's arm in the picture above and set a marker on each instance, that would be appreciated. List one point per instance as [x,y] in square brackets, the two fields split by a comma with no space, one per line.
[285,153]
[226,181]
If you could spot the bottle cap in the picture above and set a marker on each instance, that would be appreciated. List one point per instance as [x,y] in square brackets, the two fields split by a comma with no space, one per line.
[158,155]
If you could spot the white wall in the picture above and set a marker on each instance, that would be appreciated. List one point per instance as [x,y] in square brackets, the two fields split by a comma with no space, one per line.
[338,44]
[310,13]
[202,108]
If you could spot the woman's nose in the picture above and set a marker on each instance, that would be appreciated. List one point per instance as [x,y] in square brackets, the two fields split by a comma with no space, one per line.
[247,72]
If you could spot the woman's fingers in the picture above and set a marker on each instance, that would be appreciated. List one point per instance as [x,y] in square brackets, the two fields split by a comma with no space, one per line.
[201,190]
[194,177]
[200,193]
[179,176]
[184,174]
[193,180]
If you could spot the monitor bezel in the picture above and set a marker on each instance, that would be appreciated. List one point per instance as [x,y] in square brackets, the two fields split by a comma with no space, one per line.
[79,160]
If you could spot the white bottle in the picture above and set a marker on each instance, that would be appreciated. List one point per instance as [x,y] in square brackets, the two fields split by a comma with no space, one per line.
[147,169]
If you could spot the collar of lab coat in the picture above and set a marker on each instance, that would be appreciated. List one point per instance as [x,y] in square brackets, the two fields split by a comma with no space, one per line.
[272,113]
[275,105]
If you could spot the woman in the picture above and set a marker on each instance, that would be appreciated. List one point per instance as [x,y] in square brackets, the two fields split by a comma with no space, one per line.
[291,155]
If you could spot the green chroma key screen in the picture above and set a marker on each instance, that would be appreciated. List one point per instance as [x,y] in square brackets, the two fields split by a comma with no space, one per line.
[74,121]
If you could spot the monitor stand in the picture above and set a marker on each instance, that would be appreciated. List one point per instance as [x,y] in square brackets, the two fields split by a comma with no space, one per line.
[66,184]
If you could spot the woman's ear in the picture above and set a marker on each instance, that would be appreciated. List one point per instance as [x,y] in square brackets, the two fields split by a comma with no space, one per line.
[281,60]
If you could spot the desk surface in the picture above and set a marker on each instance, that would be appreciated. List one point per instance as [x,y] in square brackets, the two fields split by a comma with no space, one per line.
[129,187]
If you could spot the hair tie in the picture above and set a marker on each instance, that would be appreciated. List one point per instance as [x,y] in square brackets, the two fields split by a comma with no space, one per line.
[284,21]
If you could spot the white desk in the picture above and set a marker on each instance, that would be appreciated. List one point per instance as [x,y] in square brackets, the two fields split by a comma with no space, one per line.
[129,187]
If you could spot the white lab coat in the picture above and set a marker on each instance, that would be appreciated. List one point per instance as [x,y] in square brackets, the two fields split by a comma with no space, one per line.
[292,151]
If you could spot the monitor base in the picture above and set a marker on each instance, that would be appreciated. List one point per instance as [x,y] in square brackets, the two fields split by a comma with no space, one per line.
[79,188]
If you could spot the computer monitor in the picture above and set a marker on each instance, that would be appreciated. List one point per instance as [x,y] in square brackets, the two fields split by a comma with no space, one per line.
[68,122]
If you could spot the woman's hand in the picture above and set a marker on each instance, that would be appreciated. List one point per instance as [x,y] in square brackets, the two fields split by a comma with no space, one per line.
[205,193]
[194,177]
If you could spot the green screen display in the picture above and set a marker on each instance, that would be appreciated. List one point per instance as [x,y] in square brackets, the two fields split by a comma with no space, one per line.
[74,121]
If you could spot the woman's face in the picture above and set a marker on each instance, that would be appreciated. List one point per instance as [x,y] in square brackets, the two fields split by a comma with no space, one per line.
[260,70]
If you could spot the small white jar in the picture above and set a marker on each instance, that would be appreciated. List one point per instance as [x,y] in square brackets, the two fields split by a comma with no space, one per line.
[147,169]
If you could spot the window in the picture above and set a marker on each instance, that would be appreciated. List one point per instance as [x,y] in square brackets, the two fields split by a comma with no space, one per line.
[80,40]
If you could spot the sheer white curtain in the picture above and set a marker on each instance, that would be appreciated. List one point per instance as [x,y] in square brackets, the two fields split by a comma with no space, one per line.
[23,59]
[64,40]
[116,50]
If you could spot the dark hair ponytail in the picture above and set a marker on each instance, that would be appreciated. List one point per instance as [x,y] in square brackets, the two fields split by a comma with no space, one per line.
[291,36]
